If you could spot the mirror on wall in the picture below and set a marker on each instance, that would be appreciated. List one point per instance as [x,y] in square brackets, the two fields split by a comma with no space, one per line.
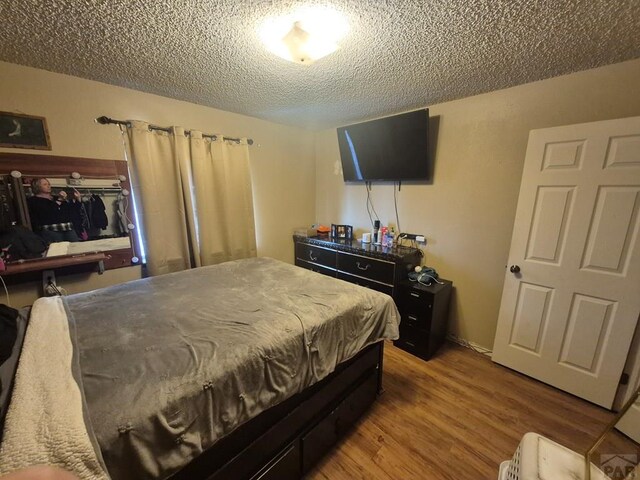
[77,215]
[52,207]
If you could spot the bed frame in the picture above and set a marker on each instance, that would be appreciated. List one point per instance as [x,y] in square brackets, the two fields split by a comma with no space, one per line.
[285,441]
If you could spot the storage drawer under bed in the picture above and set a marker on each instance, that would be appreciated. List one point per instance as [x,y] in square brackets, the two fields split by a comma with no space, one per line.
[320,439]
[287,465]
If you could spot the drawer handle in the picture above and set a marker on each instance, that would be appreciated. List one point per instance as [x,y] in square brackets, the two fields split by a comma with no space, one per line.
[414,294]
[410,344]
[313,259]
[412,318]
[366,267]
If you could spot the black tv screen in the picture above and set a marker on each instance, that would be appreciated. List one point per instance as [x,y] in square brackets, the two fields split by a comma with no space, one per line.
[387,149]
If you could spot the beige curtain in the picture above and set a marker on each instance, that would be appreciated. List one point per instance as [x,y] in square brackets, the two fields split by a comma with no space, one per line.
[225,224]
[157,182]
[196,204]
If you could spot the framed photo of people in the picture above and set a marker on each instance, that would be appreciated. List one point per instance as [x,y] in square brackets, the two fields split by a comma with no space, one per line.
[343,232]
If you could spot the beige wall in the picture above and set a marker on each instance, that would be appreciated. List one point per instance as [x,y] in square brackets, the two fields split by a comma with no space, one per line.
[467,213]
[282,162]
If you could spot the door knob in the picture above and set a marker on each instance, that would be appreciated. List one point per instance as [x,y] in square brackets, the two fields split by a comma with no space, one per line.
[514,269]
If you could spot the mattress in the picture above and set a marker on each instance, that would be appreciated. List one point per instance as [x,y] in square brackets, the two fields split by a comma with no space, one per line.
[171,364]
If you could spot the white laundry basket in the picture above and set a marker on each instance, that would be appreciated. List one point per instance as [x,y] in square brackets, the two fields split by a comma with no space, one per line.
[538,458]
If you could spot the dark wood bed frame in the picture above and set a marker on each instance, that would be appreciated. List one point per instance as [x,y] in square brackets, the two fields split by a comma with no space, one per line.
[285,441]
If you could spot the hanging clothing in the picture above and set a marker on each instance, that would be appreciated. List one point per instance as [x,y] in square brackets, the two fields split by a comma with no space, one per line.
[98,213]
[85,222]
[121,210]
[79,218]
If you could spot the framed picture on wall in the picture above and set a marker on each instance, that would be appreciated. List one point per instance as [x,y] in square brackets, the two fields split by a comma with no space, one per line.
[23,131]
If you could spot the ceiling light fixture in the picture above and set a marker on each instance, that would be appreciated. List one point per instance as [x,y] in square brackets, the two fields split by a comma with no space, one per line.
[306,35]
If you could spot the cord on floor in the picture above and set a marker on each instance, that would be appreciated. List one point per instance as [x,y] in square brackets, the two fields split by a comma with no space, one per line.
[470,345]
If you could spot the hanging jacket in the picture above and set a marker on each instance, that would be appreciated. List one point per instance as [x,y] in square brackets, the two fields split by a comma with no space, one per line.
[98,213]
[79,218]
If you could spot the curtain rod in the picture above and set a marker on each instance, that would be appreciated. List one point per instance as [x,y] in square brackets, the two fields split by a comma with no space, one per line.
[104,120]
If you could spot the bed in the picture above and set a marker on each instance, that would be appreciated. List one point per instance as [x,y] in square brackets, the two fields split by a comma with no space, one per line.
[248,369]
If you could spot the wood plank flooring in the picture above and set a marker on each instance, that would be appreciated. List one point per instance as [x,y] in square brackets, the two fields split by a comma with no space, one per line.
[457,417]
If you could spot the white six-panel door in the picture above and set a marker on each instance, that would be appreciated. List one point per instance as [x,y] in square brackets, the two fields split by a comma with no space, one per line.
[568,317]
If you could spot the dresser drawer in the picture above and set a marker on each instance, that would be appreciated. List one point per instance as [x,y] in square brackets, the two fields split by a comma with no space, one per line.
[421,320]
[416,299]
[413,340]
[416,307]
[371,268]
[363,282]
[316,268]
[316,255]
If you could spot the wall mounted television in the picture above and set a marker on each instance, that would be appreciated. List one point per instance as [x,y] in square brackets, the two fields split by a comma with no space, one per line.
[388,149]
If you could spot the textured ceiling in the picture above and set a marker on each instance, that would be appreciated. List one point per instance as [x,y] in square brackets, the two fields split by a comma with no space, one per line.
[398,55]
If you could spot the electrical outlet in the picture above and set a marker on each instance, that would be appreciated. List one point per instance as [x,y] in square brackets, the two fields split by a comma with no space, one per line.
[413,236]
[50,291]
[48,278]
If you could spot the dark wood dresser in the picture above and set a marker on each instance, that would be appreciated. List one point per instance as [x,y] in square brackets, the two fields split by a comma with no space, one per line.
[424,310]
[372,266]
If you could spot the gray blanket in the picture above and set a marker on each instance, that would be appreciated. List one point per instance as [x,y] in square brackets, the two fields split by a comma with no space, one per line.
[172,364]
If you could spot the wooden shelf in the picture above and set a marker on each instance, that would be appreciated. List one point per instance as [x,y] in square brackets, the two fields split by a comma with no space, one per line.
[40,264]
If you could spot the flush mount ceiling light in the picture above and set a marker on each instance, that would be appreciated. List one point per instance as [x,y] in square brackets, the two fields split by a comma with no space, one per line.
[306,35]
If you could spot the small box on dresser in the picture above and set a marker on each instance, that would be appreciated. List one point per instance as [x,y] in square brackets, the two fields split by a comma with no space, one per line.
[424,315]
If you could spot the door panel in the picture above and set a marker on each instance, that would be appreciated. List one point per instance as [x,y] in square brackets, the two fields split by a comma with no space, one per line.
[611,235]
[568,317]
[551,215]
[589,321]
[623,151]
[563,155]
[531,316]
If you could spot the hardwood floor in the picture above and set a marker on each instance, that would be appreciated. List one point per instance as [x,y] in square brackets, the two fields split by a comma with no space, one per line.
[458,417]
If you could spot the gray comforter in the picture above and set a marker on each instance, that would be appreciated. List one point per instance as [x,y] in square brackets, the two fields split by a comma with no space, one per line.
[171,364]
